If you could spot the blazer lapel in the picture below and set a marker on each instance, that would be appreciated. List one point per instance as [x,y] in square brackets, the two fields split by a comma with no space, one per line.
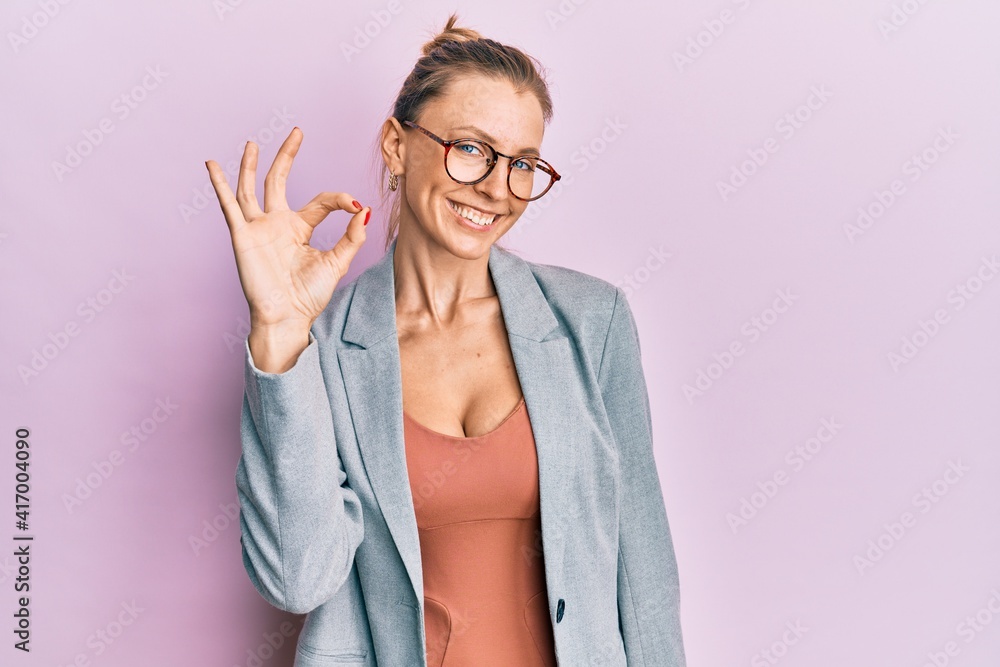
[545,368]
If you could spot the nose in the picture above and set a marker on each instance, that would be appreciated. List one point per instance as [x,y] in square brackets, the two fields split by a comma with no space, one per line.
[494,186]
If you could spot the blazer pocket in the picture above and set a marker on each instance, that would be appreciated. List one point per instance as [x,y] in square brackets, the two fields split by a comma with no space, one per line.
[335,656]
[536,617]
[437,620]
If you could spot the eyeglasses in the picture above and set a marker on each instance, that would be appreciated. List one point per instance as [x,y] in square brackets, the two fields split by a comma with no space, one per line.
[528,176]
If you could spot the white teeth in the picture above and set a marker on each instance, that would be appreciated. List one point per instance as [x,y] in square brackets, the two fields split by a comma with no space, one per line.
[471,215]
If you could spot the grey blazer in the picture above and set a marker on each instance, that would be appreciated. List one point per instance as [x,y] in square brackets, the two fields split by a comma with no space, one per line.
[326,512]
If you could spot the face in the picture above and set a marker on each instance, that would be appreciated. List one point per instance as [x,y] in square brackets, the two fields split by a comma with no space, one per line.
[474,107]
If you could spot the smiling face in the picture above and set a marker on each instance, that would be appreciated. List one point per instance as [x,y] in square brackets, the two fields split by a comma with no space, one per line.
[464,219]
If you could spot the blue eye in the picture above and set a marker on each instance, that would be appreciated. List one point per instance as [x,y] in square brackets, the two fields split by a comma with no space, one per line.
[473,149]
[524,165]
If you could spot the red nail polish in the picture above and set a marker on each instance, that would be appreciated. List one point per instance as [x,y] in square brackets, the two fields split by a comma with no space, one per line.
[356,204]
[368,215]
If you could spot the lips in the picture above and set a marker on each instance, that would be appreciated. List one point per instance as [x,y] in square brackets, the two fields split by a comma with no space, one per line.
[474,215]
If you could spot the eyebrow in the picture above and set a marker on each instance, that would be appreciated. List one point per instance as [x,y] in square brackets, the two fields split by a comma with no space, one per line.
[487,137]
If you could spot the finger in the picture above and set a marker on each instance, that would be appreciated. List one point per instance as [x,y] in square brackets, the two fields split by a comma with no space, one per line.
[277,175]
[342,254]
[246,193]
[230,207]
[322,204]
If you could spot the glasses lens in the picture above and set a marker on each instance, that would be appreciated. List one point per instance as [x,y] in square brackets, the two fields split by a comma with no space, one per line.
[530,177]
[468,161]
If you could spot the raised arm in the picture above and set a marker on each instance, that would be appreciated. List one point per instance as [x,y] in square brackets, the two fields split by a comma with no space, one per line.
[301,522]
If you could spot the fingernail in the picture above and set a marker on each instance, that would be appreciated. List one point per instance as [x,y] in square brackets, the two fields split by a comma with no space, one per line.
[368,215]
[356,204]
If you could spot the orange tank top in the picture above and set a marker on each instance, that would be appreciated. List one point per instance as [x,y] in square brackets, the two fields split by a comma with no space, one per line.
[477,508]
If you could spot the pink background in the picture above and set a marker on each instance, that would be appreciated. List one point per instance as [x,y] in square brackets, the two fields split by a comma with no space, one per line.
[644,139]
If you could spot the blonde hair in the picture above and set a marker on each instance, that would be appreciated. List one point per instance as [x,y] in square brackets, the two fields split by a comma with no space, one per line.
[451,53]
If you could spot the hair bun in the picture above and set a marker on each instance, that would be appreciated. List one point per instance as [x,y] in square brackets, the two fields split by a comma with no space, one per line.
[450,34]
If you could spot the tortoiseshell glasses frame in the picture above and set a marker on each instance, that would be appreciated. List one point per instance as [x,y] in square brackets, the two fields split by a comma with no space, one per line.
[492,160]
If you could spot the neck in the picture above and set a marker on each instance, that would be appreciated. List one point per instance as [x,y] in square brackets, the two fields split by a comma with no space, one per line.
[431,282]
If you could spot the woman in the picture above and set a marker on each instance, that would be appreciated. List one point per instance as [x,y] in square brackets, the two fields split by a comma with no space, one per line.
[448,460]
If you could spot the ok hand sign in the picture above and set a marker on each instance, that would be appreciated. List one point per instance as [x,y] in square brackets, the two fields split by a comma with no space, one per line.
[287,282]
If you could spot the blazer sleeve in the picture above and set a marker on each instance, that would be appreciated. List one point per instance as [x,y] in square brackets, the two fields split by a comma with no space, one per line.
[300,521]
[648,582]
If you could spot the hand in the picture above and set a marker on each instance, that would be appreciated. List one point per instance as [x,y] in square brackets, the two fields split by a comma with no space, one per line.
[287,282]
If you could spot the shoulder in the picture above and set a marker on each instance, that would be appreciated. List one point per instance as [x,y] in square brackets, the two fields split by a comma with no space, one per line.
[572,288]
[591,310]
[582,303]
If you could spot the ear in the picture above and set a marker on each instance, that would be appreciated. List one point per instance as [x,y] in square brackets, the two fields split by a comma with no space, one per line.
[393,145]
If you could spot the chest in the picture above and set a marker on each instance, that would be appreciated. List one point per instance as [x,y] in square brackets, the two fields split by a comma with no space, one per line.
[461,380]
